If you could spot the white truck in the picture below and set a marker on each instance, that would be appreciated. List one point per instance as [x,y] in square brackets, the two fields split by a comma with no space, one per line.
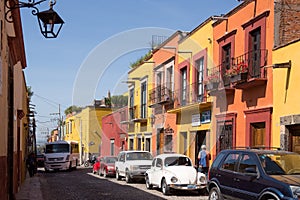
[133,165]
[61,155]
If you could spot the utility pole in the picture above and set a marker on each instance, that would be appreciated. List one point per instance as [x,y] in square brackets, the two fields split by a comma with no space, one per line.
[59,122]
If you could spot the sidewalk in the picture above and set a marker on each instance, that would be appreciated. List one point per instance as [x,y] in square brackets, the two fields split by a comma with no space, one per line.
[30,189]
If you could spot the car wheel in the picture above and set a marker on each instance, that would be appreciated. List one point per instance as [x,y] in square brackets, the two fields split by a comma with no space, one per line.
[127,177]
[148,185]
[165,188]
[104,173]
[214,194]
[118,175]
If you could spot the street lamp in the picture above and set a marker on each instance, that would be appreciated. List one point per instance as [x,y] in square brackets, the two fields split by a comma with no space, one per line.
[50,22]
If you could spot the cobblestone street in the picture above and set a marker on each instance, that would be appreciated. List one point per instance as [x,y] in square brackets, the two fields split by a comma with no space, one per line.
[82,184]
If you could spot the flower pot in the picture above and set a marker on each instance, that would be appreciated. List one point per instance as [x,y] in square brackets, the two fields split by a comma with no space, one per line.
[212,85]
[241,77]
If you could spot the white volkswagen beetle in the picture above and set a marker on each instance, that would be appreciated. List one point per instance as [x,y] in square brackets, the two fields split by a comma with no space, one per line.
[174,171]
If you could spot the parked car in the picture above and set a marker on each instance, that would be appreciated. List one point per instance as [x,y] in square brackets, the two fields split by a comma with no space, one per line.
[40,158]
[174,171]
[107,166]
[132,165]
[255,174]
[96,165]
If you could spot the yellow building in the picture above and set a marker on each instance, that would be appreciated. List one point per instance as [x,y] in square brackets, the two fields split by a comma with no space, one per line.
[286,113]
[139,126]
[192,103]
[85,128]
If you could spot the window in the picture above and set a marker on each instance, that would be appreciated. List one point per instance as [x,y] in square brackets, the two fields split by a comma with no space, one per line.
[225,139]
[148,144]
[159,163]
[258,134]
[131,103]
[226,57]
[112,147]
[230,161]
[131,143]
[169,79]
[70,127]
[226,63]
[143,99]
[159,83]
[184,86]
[122,157]
[246,162]
[153,162]
[139,143]
[199,83]
[255,54]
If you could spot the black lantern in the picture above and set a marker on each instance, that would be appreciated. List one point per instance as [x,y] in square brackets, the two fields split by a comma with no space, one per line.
[50,23]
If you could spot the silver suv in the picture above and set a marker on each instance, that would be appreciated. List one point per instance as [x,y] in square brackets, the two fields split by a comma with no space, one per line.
[133,165]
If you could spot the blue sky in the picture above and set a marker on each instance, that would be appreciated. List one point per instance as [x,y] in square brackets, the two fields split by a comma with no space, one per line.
[53,65]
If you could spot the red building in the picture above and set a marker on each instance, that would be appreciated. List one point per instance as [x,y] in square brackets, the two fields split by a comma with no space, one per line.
[114,132]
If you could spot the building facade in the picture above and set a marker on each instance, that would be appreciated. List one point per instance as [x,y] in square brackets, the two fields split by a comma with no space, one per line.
[161,96]
[192,105]
[140,80]
[14,104]
[114,135]
[243,42]
[286,114]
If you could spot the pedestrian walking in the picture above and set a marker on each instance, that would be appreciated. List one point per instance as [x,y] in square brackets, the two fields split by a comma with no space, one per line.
[30,163]
[204,158]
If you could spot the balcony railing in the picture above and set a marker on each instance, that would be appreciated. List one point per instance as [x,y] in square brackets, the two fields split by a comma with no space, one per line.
[160,95]
[193,94]
[135,114]
[252,61]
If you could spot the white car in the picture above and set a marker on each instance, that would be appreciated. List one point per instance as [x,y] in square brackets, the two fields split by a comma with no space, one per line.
[174,171]
[132,165]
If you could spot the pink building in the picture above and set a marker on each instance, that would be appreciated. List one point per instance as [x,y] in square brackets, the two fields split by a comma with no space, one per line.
[114,132]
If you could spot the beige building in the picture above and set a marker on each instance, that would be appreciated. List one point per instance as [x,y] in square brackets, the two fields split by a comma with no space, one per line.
[13,105]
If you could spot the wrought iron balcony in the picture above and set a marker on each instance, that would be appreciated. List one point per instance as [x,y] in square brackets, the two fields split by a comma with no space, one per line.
[136,114]
[160,95]
[252,63]
[193,94]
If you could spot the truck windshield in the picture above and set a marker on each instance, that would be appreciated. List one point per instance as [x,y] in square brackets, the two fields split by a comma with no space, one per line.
[57,148]
[139,156]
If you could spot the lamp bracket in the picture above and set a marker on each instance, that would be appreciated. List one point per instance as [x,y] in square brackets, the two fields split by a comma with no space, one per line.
[11,5]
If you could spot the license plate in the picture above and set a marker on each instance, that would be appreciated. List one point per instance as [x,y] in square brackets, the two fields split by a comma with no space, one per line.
[191,186]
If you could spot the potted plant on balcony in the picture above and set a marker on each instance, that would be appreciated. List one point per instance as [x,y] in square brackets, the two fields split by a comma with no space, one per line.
[212,82]
[238,73]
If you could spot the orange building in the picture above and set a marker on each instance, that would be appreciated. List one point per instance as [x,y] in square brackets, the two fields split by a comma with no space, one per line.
[161,96]
[243,42]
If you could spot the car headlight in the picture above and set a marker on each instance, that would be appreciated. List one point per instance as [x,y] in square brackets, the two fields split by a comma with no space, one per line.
[202,179]
[174,179]
[68,156]
[296,191]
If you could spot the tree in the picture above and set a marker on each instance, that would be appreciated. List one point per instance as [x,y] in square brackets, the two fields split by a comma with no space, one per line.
[119,101]
[72,109]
